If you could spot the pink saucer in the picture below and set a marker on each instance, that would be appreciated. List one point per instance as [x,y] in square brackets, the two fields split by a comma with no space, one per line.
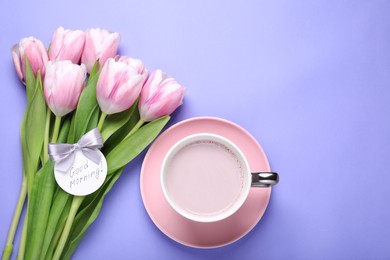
[187,232]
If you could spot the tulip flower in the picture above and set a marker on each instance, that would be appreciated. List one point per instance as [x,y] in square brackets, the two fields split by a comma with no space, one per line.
[63,85]
[67,45]
[99,45]
[118,86]
[35,51]
[160,96]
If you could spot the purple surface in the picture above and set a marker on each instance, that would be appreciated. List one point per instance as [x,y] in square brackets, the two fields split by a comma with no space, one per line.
[309,79]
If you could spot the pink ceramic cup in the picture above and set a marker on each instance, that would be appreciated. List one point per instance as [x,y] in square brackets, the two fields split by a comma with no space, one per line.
[206,178]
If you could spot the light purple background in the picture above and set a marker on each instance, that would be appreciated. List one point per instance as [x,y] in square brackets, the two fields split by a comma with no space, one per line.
[309,79]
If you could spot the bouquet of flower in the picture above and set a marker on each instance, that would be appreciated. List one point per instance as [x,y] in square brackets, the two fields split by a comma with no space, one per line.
[81,96]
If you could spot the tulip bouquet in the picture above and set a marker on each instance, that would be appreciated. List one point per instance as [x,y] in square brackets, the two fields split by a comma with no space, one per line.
[80,84]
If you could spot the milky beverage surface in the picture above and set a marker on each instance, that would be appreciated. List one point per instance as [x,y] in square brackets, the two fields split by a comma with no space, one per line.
[204,178]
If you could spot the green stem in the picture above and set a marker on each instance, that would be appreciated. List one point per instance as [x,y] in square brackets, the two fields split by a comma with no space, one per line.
[101,120]
[22,245]
[46,139]
[76,202]
[15,220]
[135,128]
[56,130]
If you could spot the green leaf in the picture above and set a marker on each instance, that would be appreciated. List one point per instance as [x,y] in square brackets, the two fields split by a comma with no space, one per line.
[64,130]
[61,198]
[30,91]
[121,133]
[116,121]
[94,69]
[30,81]
[133,145]
[88,214]
[71,131]
[33,131]
[23,142]
[59,228]
[93,121]
[85,109]
[39,209]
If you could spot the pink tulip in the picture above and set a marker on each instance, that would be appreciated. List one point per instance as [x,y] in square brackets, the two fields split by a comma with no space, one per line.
[99,45]
[160,96]
[67,45]
[63,85]
[36,53]
[118,86]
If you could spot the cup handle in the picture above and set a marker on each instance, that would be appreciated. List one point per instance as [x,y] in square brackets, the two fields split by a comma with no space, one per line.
[264,179]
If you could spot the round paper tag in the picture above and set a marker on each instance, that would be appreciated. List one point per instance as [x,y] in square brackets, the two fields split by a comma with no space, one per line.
[84,176]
